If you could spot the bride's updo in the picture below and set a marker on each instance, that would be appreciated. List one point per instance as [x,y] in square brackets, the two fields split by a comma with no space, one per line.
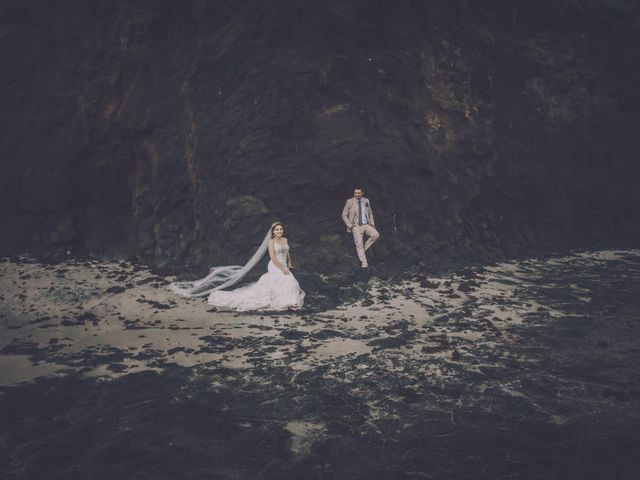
[273,227]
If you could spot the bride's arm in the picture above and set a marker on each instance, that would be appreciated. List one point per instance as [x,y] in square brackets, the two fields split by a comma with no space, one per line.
[288,256]
[272,256]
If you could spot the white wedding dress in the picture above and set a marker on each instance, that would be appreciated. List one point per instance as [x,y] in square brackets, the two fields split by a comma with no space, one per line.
[273,291]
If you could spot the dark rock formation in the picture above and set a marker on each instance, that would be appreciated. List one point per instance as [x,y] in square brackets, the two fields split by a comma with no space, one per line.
[177,131]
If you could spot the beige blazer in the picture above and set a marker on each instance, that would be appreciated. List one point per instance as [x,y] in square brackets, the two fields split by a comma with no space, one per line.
[350,212]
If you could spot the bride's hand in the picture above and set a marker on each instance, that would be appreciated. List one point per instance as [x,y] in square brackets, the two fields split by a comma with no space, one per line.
[286,271]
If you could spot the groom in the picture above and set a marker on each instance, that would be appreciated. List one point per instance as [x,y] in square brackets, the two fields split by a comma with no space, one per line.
[358,218]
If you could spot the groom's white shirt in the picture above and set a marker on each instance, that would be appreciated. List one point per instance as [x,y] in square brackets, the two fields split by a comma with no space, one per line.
[365,217]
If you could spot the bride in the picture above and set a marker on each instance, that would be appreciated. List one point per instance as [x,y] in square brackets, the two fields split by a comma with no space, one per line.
[275,290]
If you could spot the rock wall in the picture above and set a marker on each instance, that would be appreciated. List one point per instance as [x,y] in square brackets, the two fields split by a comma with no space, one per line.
[177,131]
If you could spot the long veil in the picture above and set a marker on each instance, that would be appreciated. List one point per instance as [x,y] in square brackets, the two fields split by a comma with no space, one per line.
[220,278]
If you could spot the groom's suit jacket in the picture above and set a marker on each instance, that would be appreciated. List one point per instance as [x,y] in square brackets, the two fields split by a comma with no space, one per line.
[350,212]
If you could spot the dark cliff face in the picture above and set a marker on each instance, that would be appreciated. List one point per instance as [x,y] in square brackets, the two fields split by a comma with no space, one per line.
[177,131]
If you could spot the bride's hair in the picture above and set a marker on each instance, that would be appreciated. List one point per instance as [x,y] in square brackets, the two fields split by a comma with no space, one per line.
[273,227]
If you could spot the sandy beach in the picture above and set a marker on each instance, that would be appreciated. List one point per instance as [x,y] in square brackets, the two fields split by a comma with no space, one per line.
[106,320]
[505,343]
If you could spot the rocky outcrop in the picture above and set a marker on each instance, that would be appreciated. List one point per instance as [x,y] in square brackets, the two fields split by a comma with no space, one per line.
[177,131]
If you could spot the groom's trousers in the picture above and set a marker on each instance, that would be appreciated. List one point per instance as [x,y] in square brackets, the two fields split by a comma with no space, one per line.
[358,236]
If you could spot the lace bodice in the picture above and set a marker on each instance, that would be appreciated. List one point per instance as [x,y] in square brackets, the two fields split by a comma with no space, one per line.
[281,249]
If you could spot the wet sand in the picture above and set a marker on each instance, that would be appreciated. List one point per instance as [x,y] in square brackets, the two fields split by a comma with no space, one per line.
[524,369]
